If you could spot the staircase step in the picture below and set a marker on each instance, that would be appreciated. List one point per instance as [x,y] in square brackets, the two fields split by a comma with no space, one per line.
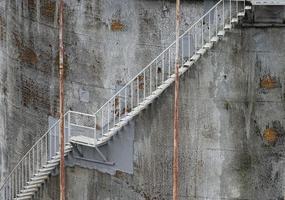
[29,190]
[32,186]
[23,198]
[50,165]
[208,45]
[221,33]
[215,39]
[48,169]
[228,26]
[25,194]
[53,161]
[39,178]
[35,182]
[234,20]
[247,7]
[43,173]
[195,57]
[241,14]
[57,156]
[201,51]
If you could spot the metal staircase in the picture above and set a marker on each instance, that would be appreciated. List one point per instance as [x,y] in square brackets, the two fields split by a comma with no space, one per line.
[94,130]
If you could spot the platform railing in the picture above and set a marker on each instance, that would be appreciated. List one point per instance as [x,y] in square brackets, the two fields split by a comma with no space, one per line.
[125,101]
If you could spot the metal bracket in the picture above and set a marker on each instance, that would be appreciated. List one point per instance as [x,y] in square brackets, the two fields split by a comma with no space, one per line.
[105,161]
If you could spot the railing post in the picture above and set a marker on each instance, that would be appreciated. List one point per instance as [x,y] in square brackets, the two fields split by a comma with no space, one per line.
[230,10]
[68,126]
[209,26]
[223,13]
[95,132]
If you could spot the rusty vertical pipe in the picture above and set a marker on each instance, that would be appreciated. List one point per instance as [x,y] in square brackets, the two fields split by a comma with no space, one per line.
[175,185]
[61,101]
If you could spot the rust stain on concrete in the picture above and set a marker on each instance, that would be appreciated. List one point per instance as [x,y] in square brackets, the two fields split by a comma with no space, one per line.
[270,135]
[48,9]
[31,4]
[28,55]
[268,82]
[117,26]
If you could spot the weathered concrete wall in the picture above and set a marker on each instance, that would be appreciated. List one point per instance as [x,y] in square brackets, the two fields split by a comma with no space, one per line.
[232,101]
[106,42]
[232,130]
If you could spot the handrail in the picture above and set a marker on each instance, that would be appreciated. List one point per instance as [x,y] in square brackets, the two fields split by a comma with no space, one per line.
[108,115]
[166,49]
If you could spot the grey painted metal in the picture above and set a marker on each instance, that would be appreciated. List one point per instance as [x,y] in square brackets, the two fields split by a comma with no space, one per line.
[96,129]
[268,2]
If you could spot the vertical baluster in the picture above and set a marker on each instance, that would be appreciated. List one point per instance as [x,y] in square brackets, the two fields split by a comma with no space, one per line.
[69,127]
[95,129]
[162,70]
[114,112]
[119,106]
[138,90]
[223,13]
[202,29]
[216,21]
[189,43]
[102,121]
[237,8]
[144,77]
[195,39]
[156,69]
[150,80]
[209,26]
[108,116]
[182,49]
[230,10]
[126,101]
[132,95]
[169,62]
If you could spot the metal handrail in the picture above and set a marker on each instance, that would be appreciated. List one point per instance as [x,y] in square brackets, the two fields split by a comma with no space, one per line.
[129,97]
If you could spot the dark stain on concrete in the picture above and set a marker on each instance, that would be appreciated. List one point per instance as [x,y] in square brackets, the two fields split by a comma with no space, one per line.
[117,25]
[28,55]
[48,9]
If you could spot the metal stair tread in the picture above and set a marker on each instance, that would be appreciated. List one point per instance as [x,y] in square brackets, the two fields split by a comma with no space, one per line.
[42,173]
[29,190]
[228,27]
[32,186]
[35,182]
[202,51]
[221,33]
[195,57]
[208,45]
[39,178]
[23,198]
[241,14]
[247,7]
[188,63]
[25,194]
[214,39]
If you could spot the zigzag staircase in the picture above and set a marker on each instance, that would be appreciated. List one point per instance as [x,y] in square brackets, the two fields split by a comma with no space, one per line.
[97,129]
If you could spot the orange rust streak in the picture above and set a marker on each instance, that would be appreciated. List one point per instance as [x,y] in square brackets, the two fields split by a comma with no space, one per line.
[270,135]
[268,82]
[117,26]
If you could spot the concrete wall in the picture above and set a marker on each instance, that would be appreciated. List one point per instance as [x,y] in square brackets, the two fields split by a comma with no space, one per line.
[232,130]
[232,101]
[106,43]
